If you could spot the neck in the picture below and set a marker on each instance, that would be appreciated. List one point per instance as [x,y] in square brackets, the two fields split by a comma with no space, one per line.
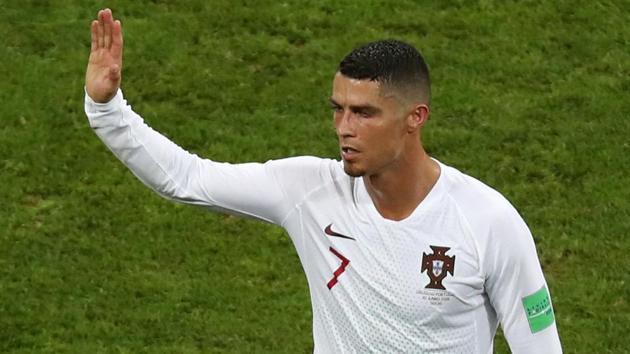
[398,191]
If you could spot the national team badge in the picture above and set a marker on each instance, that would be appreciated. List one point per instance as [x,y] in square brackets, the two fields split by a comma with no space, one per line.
[437,266]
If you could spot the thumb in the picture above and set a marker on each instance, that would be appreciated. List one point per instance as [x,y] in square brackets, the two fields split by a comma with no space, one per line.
[114,72]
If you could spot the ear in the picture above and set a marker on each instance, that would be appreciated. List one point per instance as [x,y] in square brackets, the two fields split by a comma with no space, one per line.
[417,117]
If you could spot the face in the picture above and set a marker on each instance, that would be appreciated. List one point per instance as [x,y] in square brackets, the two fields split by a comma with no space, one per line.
[371,125]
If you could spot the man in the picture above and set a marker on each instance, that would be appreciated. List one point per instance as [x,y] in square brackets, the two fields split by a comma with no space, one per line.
[401,252]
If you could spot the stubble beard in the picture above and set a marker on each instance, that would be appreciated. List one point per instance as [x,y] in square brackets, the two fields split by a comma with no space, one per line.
[352,172]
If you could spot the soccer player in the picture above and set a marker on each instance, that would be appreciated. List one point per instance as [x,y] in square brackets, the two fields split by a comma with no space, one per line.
[402,253]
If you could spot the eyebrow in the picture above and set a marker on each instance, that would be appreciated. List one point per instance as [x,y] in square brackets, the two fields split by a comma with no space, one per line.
[358,108]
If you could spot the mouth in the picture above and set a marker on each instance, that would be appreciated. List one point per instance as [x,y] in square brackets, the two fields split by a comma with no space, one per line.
[349,153]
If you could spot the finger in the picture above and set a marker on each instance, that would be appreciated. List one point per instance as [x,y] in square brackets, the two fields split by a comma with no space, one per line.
[117,40]
[100,30]
[94,32]
[107,27]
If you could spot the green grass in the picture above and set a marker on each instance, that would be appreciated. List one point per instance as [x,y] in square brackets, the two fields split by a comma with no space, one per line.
[530,97]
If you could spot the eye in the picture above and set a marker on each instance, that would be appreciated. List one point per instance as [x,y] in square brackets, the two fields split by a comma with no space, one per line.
[364,114]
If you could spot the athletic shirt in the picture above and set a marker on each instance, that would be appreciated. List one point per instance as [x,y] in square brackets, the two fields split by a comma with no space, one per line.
[439,281]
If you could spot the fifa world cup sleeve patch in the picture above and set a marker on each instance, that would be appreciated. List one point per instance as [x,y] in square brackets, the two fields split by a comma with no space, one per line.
[538,310]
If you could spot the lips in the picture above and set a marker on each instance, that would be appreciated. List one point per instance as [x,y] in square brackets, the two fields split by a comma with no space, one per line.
[349,153]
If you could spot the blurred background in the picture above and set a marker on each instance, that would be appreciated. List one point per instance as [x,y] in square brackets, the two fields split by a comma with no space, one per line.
[531,97]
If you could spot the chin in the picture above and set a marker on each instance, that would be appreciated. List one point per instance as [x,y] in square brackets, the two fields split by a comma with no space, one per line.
[352,171]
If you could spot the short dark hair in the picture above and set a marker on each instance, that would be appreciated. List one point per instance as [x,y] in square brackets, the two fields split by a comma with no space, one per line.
[394,64]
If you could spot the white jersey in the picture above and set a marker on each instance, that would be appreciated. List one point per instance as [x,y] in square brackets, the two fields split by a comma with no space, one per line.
[439,281]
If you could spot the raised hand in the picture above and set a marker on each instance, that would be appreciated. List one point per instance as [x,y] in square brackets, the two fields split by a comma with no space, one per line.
[103,74]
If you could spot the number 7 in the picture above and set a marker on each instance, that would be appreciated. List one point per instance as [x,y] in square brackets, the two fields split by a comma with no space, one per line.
[342,268]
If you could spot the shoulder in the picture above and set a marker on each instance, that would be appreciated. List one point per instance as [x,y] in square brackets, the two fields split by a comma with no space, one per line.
[301,174]
[306,167]
[502,237]
[486,210]
[473,196]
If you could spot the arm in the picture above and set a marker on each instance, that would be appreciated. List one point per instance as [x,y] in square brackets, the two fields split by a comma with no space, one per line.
[246,189]
[517,288]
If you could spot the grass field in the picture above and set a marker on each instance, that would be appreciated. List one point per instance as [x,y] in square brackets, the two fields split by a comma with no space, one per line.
[531,97]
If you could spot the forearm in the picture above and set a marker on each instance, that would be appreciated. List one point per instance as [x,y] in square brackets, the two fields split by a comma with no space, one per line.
[155,160]
[245,189]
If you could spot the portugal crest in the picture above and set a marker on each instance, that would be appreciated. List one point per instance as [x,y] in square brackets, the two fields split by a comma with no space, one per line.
[437,266]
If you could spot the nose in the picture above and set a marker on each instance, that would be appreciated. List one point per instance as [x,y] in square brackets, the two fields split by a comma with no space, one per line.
[345,124]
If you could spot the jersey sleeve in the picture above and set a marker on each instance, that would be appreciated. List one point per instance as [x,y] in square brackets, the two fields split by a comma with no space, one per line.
[516,287]
[264,191]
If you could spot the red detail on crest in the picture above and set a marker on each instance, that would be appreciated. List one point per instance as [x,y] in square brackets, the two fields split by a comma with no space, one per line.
[447,266]
[342,268]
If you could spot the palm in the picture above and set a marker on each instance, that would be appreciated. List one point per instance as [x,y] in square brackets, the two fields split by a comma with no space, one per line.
[103,74]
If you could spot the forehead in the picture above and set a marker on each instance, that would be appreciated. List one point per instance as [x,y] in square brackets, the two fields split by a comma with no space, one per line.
[354,91]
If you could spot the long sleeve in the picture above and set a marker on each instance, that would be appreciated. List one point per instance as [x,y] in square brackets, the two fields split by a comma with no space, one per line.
[517,288]
[249,189]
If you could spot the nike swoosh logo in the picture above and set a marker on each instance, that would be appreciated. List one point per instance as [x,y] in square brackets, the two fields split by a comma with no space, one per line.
[328,230]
